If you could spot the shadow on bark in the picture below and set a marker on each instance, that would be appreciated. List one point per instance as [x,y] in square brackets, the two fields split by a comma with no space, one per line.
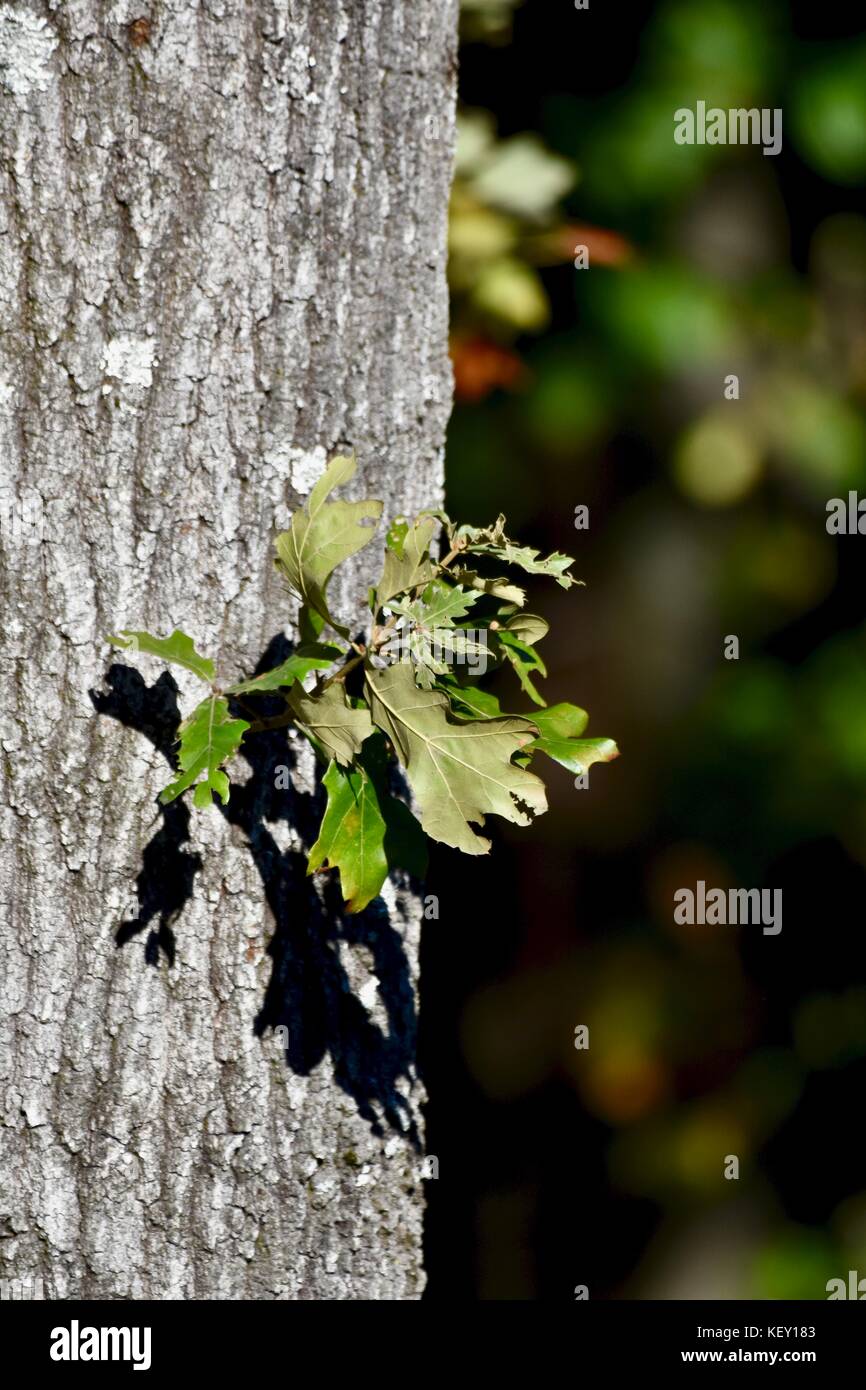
[309,993]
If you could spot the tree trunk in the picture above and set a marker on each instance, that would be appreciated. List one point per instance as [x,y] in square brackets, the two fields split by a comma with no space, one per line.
[222,255]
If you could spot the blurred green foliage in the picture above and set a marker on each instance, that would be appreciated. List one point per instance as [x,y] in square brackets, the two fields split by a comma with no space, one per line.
[708,519]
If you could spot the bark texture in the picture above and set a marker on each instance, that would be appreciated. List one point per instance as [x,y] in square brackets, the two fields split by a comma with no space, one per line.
[222,257]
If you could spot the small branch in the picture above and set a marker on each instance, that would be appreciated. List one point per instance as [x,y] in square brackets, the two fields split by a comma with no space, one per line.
[380,633]
[244,706]
[349,666]
[277,721]
[453,553]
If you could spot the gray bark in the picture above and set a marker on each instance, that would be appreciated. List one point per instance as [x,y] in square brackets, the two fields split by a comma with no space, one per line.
[222,258]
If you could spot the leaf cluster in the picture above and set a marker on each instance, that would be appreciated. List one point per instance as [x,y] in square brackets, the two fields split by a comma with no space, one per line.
[443,616]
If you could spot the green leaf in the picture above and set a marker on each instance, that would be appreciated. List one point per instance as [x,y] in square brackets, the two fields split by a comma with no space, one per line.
[207,739]
[558,729]
[178,649]
[497,588]
[439,605]
[331,721]
[322,536]
[405,841]
[459,772]
[469,702]
[525,660]
[528,627]
[407,559]
[352,836]
[442,517]
[532,562]
[437,652]
[561,721]
[577,754]
[492,540]
[428,632]
[396,535]
[306,659]
[310,624]
[365,832]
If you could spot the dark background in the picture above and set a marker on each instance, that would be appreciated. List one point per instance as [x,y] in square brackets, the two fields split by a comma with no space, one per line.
[605,1167]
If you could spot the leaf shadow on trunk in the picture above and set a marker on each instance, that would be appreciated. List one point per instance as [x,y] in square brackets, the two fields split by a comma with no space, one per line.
[309,993]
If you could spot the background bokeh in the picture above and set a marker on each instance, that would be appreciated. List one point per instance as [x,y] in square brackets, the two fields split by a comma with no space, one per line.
[604,387]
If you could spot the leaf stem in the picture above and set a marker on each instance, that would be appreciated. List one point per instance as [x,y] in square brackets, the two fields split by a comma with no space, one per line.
[349,666]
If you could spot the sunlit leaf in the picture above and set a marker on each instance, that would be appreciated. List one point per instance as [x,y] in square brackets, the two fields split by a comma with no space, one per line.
[294,668]
[338,727]
[207,739]
[322,535]
[459,772]
[559,727]
[526,661]
[365,831]
[407,559]
[178,649]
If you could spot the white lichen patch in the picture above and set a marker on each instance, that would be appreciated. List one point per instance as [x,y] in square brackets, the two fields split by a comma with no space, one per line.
[26,45]
[306,271]
[130,360]
[369,993]
[307,466]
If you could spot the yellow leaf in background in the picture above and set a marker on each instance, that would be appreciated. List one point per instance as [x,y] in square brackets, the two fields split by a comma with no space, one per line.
[479,234]
[522,177]
[476,132]
[511,291]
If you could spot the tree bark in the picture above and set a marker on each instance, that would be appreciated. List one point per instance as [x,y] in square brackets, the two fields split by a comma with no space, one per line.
[222,258]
